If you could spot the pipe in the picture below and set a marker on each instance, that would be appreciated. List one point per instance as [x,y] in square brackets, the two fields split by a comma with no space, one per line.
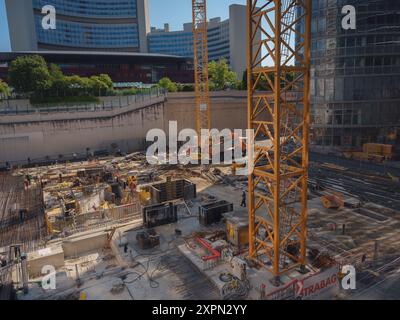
[215,254]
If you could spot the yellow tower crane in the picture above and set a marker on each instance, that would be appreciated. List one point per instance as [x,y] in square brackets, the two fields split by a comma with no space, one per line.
[200,50]
[278,111]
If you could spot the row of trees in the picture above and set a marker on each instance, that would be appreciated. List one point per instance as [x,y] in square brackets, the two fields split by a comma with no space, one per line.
[31,76]
[171,86]
[220,78]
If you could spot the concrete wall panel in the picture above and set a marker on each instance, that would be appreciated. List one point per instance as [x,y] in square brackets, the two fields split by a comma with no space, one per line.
[64,133]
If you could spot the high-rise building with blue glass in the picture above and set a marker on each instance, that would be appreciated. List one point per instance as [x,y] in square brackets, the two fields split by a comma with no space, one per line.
[355,74]
[120,26]
[226,39]
[101,25]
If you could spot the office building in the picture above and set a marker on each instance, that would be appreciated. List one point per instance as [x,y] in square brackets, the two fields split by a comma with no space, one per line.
[355,74]
[226,39]
[100,25]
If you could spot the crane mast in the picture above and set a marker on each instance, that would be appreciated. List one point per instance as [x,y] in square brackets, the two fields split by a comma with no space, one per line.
[278,110]
[200,50]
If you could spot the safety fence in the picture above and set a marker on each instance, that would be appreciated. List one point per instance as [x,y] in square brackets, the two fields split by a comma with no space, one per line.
[105,104]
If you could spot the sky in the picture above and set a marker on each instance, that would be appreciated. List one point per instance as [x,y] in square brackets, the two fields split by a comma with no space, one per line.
[174,12]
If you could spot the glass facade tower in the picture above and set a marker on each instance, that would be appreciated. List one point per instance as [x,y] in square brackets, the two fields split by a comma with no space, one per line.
[102,25]
[355,74]
[226,39]
[180,43]
[92,24]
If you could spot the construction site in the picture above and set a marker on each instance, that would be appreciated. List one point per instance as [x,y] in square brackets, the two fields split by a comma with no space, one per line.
[119,228]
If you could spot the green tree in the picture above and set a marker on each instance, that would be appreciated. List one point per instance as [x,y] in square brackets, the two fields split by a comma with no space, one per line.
[188,88]
[5,90]
[105,78]
[97,85]
[85,86]
[221,76]
[59,83]
[167,84]
[29,74]
[55,72]
[78,86]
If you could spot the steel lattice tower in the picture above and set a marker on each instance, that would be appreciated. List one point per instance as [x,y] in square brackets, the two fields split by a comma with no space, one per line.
[278,111]
[199,10]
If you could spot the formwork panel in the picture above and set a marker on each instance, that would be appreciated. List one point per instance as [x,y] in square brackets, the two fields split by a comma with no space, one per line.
[173,190]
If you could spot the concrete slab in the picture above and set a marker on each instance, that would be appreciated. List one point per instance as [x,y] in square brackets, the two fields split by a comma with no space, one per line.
[257,278]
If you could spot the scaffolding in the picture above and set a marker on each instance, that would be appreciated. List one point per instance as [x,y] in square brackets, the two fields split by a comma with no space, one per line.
[278,111]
